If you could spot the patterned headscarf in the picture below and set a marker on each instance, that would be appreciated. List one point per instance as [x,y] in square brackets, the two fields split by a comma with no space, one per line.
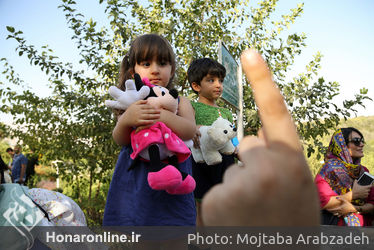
[339,171]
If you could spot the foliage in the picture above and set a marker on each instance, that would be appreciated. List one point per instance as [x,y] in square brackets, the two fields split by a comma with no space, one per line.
[4,155]
[93,206]
[72,125]
[3,131]
[43,174]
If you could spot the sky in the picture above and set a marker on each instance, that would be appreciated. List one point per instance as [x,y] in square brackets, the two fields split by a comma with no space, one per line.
[342,30]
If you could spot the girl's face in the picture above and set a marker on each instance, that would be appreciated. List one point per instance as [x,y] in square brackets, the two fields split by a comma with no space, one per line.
[158,73]
[355,145]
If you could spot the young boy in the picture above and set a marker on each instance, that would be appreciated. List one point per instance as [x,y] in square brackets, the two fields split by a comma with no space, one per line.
[206,79]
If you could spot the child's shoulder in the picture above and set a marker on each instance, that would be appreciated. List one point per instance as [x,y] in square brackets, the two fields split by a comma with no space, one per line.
[206,107]
[206,114]
[200,105]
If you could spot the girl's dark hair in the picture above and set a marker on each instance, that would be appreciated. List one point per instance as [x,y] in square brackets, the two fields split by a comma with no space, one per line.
[145,48]
[347,131]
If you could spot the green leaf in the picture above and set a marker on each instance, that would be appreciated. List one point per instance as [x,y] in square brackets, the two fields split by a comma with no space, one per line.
[10,29]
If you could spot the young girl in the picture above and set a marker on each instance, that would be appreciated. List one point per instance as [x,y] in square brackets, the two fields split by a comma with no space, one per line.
[130,201]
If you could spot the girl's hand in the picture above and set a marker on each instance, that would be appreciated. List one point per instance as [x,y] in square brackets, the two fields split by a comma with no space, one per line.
[139,114]
[360,192]
[343,209]
[159,119]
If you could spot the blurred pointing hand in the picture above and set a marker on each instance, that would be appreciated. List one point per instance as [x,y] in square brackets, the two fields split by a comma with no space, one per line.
[274,186]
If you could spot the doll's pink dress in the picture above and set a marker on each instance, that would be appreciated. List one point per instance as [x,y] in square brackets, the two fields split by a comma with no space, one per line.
[159,133]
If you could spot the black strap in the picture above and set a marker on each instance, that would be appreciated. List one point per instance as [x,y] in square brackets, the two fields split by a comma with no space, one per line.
[36,204]
[328,218]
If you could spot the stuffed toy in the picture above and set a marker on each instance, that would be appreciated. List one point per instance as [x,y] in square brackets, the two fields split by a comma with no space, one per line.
[215,139]
[158,143]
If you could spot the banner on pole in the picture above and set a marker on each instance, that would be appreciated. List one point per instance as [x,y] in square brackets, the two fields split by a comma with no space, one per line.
[230,92]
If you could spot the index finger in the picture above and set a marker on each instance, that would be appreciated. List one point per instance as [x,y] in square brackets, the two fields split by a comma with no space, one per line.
[276,120]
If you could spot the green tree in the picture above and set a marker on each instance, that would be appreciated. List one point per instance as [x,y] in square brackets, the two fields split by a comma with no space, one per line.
[74,126]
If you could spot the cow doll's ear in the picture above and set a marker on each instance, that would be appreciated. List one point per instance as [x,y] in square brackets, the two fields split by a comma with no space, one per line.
[138,81]
[174,93]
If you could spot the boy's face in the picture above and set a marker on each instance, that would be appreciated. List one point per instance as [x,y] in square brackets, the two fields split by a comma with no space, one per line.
[210,87]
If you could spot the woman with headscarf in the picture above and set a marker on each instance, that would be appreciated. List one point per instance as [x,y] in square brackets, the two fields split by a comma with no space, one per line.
[343,201]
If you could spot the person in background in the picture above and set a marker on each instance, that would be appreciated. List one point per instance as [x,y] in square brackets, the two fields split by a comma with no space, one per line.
[3,167]
[32,161]
[19,166]
[343,201]
[10,151]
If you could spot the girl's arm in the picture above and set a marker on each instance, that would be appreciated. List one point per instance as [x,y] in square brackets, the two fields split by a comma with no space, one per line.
[121,132]
[138,114]
[183,123]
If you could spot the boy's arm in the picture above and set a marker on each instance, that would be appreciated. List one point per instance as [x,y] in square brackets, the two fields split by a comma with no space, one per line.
[196,138]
